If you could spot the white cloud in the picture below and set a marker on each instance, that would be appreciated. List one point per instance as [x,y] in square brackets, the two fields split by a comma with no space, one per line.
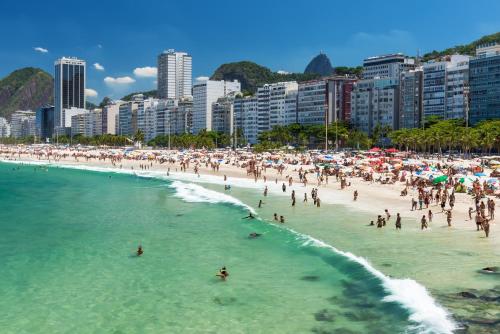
[40,49]
[202,78]
[145,72]
[98,67]
[89,92]
[118,81]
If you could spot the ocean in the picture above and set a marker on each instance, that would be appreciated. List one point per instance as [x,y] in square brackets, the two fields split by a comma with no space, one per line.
[68,240]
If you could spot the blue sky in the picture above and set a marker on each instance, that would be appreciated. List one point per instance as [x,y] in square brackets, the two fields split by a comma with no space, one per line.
[282,35]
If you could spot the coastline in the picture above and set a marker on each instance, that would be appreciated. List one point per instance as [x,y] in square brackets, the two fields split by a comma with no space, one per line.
[427,314]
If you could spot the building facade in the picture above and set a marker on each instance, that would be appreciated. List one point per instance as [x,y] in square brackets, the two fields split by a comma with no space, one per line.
[387,66]
[110,118]
[246,118]
[205,93]
[4,128]
[484,81]
[127,116]
[69,88]
[312,103]
[23,124]
[45,122]
[411,112]
[174,75]
[375,102]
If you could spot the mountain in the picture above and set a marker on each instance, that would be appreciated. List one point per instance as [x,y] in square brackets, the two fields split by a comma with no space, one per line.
[25,89]
[252,75]
[320,65]
[468,49]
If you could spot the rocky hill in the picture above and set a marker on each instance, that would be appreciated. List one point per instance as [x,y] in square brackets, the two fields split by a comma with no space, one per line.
[252,75]
[25,89]
[320,65]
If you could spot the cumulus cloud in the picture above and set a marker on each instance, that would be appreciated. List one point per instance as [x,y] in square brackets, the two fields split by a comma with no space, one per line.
[145,72]
[98,67]
[40,49]
[119,80]
[89,92]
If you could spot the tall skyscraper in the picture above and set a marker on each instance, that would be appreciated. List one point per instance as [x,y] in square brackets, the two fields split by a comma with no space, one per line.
[69,87]
[174,75]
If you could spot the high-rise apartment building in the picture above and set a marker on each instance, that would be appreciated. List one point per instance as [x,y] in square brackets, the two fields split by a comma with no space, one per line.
[110,116]
[312,103]
[174,75]
[23,124]
[4,128]
[246,117]
[484,81]
[205,93]
[127,116]
[146,118]
[277,104]
[45,122]
[444,83]
[375,102]
[410,113]
[339,90]
[387,66]
[69,88]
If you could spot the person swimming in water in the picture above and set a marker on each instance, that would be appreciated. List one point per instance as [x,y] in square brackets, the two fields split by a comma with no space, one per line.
[276,216]
[250,216]
[140,251]
[282,219]
[254,235]
[223,273]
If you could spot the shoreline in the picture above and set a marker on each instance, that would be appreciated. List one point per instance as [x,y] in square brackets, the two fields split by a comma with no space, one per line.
[423,308]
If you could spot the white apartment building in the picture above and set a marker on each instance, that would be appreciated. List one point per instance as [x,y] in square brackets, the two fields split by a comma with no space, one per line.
[23,124]
[312,102]
[174,117]
[174,75]
[457,79]
[146,118]
[205,93]
[127,116]
[4,128]
[387,66]
[246,117]
[110,118]
[276,105]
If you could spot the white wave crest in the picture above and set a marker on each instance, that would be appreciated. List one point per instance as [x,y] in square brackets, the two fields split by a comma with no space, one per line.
[191,192]
[424,310]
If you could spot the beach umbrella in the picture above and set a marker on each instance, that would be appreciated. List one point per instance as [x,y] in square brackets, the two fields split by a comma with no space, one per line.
[479,174]
[439,179]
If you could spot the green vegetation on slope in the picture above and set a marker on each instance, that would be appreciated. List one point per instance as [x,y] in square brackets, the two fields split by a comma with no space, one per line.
[468,49]
[25,89]
[252,75]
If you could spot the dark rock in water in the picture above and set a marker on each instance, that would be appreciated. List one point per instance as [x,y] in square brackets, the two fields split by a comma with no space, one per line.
[310,278]
[364,316]
[317,330]
[483,321]
[325,315]
[343,331]
[224,301]
[467,294]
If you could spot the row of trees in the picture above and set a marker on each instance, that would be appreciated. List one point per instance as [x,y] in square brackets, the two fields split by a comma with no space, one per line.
[449,135]
[204,139]
[312,136]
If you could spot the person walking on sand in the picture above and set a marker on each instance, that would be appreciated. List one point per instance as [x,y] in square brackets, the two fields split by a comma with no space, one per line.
[355,195]
[423,223]
[471,210]
[305,197]
[398,221]
[413,204]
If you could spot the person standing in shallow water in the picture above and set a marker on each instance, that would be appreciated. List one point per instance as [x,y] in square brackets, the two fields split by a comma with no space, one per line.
[398,221]
[423,222]
[486,227]
[448,217]
[355,195]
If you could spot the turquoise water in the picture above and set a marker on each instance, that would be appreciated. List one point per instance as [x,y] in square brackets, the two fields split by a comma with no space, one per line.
[67,242]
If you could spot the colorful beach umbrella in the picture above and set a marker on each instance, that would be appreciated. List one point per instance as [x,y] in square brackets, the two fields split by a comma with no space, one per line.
[439,179]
